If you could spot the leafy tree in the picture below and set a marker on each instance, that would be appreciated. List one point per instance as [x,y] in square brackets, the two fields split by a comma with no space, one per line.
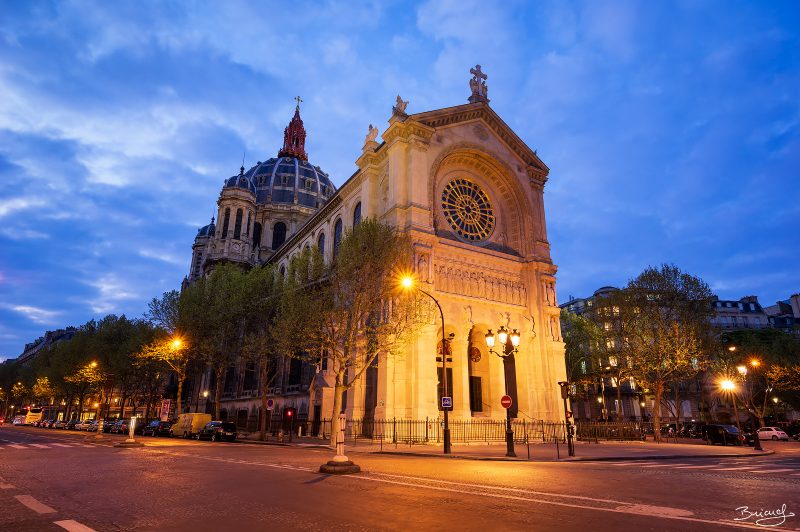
[669,327]
[42,390]
[172,353]
[86,380]
[355,312]
[261,346]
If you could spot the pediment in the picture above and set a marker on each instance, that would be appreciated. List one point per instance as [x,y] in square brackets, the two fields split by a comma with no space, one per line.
[481,111]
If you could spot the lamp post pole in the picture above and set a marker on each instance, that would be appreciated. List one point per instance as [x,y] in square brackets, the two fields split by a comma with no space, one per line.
[510,344]
[447,447]
[408,282]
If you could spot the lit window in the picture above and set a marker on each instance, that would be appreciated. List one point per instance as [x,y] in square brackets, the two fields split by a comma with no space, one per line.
[612,361]
[583,367]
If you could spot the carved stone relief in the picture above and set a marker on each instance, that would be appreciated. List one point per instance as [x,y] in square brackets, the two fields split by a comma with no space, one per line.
[469,281]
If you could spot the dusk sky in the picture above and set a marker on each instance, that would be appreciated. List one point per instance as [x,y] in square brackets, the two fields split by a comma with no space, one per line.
[672,131]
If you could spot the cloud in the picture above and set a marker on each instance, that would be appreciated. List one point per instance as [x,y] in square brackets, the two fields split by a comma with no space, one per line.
[112,291]
[35,314]
[12,205]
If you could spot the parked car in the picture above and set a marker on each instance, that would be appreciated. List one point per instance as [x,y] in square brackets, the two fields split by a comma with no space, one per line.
[157,428]
[71,424]
[60,424]
[83,425]
[120,426]
[187,425]
[218,430]
[92,426]
[772,433]
[18,420]
[723,434]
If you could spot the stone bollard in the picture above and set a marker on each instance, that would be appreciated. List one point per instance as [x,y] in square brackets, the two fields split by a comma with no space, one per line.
[340,465]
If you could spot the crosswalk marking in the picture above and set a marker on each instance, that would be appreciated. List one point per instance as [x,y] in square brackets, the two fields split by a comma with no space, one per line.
[15,446]
[39,445]
[695,467]
[61,445]
[735,468]
[771,470]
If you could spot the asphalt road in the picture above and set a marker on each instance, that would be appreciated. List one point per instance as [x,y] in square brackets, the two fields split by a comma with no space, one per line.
[52,480]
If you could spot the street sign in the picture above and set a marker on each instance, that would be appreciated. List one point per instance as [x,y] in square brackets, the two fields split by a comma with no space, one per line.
[505,401]
[270,404]
[447,402]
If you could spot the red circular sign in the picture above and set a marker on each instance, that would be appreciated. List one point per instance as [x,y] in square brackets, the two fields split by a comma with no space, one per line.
[505,401]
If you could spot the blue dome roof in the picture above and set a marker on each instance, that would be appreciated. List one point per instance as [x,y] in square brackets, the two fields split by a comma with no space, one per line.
[279,179]
[240,181]
[206,230]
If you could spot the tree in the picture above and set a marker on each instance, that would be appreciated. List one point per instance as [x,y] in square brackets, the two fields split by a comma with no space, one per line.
[669,328]
[354,312]
[262,343]
[771,359]
[85,379]
[172,353]
[42,390]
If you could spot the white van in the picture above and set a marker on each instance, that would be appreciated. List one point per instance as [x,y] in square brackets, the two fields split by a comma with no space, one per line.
[188,425]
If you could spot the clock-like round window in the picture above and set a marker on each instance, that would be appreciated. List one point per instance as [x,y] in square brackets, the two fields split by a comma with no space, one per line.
[468,210]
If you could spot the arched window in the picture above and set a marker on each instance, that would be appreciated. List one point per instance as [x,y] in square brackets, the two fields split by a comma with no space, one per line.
[337,236]
[283,271]
[256,235]
[237,228]
[321,244]
[278,235]
[357,214]
[247,231]
[225,223]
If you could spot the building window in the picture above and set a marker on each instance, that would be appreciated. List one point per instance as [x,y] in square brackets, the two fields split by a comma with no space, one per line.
[237,228]
[357,214]
[337,237]
[321,244]
[225,223]
[612,361]
[256,235]
[278,235]
[584,368]
[607,326]
[247,231]
[475,395]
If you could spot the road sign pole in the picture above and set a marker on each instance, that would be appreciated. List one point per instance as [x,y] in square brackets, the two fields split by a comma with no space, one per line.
[567,425]
[506,403]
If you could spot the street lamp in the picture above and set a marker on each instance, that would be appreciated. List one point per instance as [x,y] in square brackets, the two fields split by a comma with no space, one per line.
[509,344]
[408,283]
[729,387]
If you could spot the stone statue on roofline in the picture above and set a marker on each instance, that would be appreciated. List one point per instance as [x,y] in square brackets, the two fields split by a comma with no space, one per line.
[399,108]
[480,92]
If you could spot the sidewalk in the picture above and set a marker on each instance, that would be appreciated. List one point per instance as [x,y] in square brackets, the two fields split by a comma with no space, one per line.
[538,452]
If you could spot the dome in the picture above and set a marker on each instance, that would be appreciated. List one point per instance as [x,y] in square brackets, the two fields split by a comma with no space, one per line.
[206,230]
[240,181]
[280,179]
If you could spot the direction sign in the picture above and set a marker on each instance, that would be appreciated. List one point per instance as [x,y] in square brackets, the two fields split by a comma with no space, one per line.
[447,402]
[270,404]
[505,401]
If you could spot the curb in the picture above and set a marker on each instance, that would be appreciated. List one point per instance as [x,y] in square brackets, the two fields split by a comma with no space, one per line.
[575,459]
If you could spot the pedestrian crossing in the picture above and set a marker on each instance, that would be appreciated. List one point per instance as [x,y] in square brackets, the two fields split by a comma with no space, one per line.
[764,468]
[7,445]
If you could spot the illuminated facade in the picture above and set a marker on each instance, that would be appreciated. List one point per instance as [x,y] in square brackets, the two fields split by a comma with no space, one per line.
[469,192]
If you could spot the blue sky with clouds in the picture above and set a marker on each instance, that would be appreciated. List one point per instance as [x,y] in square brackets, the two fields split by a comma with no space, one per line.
[672,130]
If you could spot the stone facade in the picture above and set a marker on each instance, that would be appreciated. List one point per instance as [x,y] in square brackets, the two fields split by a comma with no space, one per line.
[486,269]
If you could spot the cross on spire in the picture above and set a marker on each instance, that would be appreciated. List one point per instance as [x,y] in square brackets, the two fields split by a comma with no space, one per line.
[480,92]
[298,100]
[294,136]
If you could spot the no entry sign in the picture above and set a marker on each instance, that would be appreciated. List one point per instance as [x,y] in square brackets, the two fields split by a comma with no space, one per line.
[505,401]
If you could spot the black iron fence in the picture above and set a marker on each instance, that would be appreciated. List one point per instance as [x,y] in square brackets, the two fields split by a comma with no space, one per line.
[431,430]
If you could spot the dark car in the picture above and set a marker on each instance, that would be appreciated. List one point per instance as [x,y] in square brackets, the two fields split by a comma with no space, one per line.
[722,434]
[120,426]
[218,430]
[157,428]
[71,424]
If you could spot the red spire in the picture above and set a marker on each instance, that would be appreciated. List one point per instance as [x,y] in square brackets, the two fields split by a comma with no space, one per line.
[294,137]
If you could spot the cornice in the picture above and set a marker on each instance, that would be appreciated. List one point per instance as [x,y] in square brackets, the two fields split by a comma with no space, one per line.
[535,168]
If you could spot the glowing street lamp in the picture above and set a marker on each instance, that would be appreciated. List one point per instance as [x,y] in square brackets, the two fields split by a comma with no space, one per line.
[509,344]
[729,387]
[407,282]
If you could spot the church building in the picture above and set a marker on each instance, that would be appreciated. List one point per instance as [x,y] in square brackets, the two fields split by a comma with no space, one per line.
[470,194]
